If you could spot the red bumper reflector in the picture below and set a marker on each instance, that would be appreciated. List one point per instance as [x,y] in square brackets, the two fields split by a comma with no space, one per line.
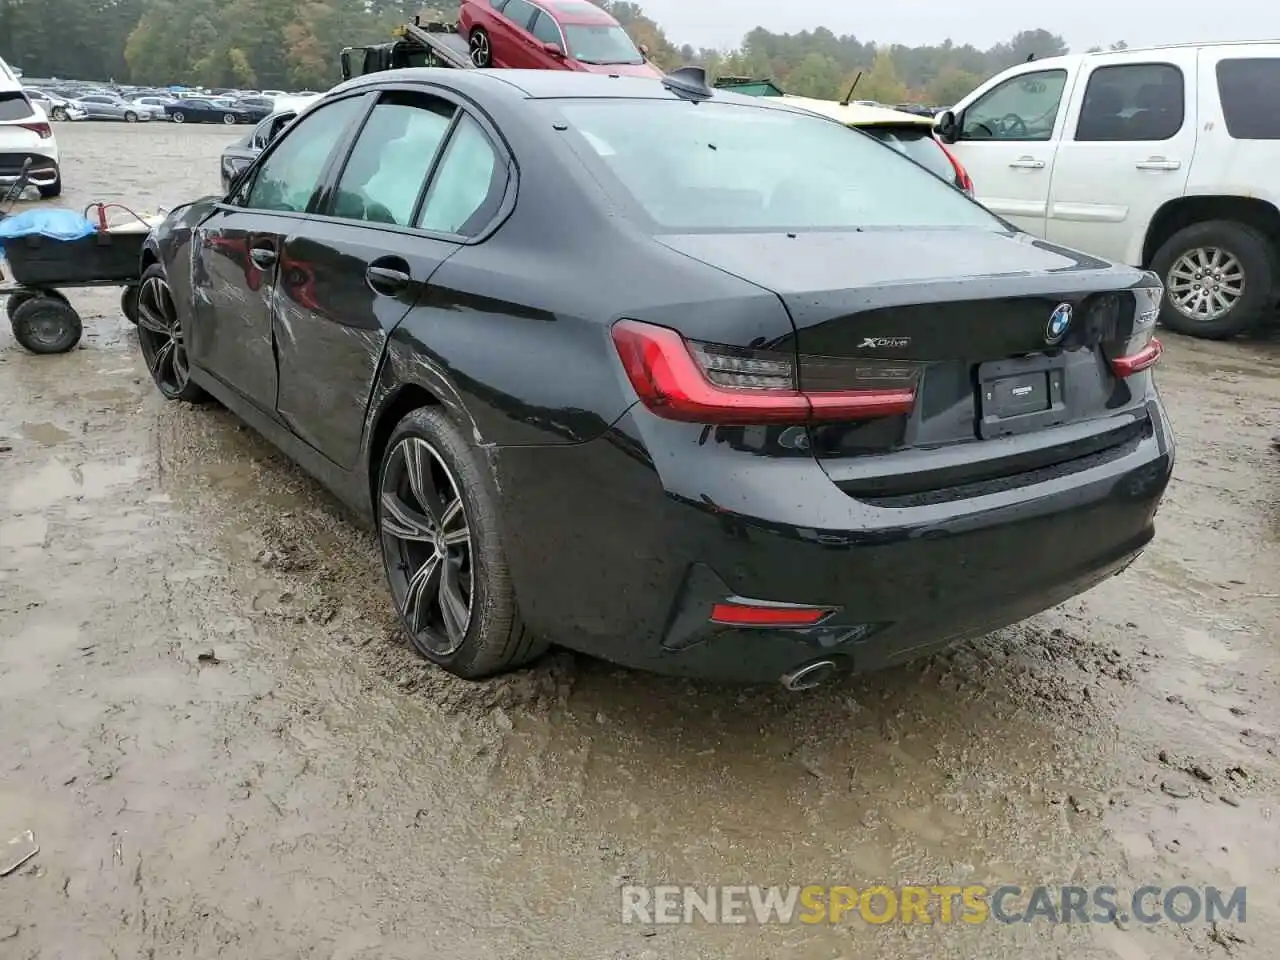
[767,615]
[1142,360]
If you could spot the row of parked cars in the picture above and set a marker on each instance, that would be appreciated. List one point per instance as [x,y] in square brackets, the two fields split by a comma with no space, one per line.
[140,105]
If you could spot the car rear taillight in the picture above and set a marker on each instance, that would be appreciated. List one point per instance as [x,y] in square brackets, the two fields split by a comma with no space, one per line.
[963,180]
[1140,350]
[39,128]
[698,382]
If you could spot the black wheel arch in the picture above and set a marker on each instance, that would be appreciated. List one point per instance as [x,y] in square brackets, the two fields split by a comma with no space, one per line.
[1182,212]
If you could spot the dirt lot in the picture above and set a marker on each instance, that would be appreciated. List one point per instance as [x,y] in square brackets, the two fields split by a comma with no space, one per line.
[224,750]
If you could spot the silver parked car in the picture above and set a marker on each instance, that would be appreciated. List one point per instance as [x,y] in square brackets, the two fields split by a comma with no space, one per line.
[105,106]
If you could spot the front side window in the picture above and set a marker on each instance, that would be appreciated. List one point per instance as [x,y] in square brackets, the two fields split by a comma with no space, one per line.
[601,44]
[717,167]
[1248,88]
[1024,107]
[1132,101]
[388,167]
[289,177]
[467,189]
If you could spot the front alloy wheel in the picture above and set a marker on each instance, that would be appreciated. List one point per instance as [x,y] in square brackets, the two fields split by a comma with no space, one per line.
[161,338]
[427,541]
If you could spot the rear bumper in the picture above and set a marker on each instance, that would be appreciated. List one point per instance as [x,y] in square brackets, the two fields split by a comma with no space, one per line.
[619,558]
[42,172]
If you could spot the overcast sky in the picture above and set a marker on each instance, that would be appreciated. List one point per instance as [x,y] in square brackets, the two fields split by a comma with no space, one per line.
[1083,23]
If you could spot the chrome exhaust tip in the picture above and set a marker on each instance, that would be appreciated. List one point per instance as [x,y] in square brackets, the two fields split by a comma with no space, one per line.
[810,676]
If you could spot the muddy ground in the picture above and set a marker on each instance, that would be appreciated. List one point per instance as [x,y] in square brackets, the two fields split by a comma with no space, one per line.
[224,749]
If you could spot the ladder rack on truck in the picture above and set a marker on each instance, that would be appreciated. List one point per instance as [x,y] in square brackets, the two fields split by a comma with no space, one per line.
[430,43]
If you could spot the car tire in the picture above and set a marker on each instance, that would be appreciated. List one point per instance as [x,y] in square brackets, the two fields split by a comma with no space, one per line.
[130,117]
[129,303]
[162,339]
[1223,242]
[14,300]
[229,119]
[58,113]
[442,551]
[46,325]
[178,117]
[481,48]
[51,190]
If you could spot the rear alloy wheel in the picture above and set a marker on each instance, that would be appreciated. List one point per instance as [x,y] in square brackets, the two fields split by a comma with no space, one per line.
[162,341]
[1218,278]
[130,117]
[442,552]
[481,51]
[229,118]
[179,117]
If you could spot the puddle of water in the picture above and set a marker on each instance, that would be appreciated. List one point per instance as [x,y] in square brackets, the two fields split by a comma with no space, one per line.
[57,481]
[46,434]
[1202,644]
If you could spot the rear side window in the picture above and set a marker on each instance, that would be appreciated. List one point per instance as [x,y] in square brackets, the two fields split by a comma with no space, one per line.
[1248,90]
[15,106]
[1133,102]
[717,167]
[467,189]
[918,144]
[388,168]
[519,12]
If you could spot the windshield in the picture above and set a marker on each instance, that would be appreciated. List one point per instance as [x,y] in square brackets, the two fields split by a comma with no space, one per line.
[600,44]
[710,167]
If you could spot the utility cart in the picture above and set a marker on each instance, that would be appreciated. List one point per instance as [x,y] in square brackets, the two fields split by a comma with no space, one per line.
[43,256]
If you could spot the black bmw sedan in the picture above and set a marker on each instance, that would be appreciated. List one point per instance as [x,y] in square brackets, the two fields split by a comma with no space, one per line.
[690,381]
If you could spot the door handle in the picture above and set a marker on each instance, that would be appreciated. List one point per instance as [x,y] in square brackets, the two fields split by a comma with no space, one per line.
[1028,163]
[1158,163]
[387,280]
[263,257]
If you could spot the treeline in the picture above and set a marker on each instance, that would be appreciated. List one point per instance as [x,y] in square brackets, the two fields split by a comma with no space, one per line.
[293,44]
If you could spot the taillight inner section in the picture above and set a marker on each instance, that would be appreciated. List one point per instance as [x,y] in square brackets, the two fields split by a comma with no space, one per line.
[698,382]
[41,130]
[1140,350]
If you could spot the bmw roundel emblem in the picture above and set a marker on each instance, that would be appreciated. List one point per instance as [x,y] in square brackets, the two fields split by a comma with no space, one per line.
[1059,321]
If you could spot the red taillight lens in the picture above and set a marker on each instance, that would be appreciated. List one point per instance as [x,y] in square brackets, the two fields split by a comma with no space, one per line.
[741,614]
[41,130]
[963,180]
[1144,359]
[698,382]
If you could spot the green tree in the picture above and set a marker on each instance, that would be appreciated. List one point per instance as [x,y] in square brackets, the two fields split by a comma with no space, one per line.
[818,75]
[882,83]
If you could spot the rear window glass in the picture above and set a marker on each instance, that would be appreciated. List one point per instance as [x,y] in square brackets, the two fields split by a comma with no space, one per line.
[1248,91]
[918,144]
[14,106]
[715,167]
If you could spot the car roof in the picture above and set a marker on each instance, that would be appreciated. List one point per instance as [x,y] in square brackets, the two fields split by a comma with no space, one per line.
[577,11]
[546,85]
[856,115]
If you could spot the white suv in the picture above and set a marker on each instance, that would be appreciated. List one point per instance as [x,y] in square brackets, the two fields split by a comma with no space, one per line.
[25,135]
[1167,158]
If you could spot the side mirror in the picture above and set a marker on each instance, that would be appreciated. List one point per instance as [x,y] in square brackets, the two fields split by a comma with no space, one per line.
[345,57]
[644,50]
[553,49]
[947,127]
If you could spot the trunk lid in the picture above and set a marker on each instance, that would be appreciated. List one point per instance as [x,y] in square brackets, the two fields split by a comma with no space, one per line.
[1011,335]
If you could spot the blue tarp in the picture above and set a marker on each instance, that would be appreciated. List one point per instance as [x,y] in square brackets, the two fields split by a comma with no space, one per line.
[55,224]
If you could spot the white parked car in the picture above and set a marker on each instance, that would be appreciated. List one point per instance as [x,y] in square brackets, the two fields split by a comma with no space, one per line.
[26,140]
[1164,158]
[55,107]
